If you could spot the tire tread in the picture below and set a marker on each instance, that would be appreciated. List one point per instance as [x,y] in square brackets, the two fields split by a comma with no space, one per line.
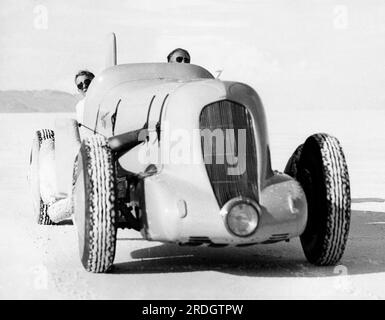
[101,195]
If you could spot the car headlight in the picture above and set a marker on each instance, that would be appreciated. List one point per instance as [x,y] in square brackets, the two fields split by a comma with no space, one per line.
[241,216]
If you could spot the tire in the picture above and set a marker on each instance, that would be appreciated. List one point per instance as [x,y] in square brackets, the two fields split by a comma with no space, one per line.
[42,137]
[94,204]
[322,171]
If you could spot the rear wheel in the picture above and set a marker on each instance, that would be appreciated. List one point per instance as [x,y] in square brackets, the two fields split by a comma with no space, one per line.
[44,139]
[320,166]
[94,204]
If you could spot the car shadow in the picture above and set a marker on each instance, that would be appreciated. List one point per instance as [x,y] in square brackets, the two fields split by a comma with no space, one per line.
[364,254]
[67,222]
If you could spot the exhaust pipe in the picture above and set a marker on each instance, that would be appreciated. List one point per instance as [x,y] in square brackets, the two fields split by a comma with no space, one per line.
[124,142]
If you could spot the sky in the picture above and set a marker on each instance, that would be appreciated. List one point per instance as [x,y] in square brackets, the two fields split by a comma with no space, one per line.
[293,52]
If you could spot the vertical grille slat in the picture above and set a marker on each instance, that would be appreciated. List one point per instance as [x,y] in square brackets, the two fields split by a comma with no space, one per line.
[228,116]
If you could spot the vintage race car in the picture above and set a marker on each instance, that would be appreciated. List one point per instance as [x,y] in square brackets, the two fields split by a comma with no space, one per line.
[180,156]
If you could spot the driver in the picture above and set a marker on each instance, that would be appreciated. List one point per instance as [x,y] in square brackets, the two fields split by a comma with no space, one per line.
[179,55]
[82,80]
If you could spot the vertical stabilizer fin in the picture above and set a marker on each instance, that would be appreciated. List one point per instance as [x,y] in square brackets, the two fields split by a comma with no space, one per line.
[111,57]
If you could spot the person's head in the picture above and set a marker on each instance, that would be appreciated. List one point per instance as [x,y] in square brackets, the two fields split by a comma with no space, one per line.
[179,55]
[82,80]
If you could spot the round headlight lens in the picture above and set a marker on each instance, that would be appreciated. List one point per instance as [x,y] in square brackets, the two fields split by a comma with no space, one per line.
[242,219]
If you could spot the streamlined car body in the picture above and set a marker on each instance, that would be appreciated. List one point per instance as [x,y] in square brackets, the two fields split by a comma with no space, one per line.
[182,157]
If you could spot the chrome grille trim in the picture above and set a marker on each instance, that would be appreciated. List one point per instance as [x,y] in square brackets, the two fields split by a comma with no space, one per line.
[224,115]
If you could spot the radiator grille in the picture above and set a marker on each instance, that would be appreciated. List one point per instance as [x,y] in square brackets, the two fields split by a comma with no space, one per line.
[230,157]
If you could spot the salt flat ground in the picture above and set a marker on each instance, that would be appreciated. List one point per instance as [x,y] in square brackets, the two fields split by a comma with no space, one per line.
[40,262]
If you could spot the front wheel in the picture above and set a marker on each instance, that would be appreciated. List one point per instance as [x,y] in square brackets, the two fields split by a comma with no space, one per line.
[94,204]
[320,166]
[41,164]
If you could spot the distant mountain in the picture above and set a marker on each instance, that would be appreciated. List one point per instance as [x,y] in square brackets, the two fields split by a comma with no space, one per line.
[37,101]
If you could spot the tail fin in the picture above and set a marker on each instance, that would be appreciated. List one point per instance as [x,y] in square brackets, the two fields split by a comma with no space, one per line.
[111,57]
